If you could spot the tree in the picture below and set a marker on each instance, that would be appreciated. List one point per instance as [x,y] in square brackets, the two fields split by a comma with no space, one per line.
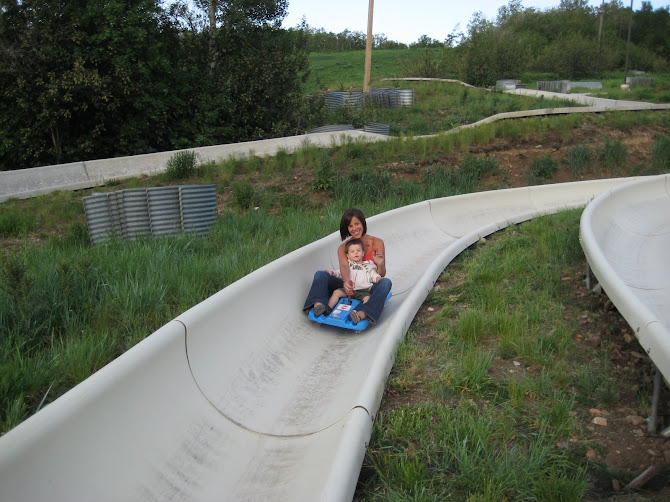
[87,79]
[234,14]
[505,12]
[425,42]
[84,79]
[573,4]
[256,73]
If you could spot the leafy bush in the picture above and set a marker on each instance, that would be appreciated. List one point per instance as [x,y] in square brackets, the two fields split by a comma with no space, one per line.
[613,153]
[244,195]
[324,175]
[431,62]
[541,169]
[294,201]
[14,222]
[465,178]
[181,165]
[660,154]
[362,186]
[579,157]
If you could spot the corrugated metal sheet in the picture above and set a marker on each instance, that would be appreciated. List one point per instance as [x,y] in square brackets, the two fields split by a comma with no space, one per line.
[387,97]
[383,97]
[116,213]
[332,128]
[586,85]
[336,99]
[377,128]
[136,209]
[198,208]
[507,84]
[404,97]
[164,210]
[553,86]
[640,80]
[157,211]
[99,220]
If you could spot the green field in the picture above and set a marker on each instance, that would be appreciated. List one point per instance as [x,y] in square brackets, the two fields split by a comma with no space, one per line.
[460,429]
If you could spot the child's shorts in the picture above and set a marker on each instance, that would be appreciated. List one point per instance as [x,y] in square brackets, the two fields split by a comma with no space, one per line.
[359,294]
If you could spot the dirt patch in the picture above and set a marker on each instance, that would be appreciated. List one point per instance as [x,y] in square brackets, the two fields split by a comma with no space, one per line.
[513,159]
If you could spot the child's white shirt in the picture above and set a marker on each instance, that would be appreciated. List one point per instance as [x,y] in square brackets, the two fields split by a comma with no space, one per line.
[363,274]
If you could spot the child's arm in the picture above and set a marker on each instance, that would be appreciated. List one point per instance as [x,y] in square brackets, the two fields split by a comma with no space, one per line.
[374,275]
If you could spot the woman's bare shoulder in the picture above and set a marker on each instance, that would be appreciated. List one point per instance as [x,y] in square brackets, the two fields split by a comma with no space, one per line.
[376,241]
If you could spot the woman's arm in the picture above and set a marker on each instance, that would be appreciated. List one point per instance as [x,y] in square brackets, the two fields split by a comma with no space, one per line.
[344,264]
[379,256]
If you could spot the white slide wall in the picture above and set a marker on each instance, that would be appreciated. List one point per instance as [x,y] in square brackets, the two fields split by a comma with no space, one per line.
[625,234]
[242,397]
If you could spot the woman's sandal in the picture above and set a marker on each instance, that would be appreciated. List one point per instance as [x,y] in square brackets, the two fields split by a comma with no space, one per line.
[319,309]
[355,316]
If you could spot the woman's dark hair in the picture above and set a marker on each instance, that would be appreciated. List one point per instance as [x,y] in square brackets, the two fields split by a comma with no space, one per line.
[348,215]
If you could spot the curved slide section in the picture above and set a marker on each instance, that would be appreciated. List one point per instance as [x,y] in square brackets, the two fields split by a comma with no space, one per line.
[625,234]
[242,397]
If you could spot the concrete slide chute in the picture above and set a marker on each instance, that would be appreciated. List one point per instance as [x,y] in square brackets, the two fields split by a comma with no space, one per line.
[242,397]
[625,234]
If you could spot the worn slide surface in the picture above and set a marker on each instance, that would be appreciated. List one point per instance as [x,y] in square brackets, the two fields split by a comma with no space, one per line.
[625,234]
[242,397]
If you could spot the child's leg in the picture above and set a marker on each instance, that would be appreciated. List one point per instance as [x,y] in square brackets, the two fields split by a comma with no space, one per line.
[335,297]
[365,299]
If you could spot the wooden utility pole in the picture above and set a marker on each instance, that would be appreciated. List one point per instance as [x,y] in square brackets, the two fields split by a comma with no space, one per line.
[630,26]
[368,49]
[600,28]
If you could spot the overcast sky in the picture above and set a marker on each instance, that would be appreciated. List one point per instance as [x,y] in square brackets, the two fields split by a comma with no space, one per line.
[405,21]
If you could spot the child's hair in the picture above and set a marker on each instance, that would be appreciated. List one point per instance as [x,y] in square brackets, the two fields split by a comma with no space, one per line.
[352,242]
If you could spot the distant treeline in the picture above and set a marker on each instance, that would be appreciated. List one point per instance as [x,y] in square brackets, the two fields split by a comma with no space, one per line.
[319,40]
[573,40]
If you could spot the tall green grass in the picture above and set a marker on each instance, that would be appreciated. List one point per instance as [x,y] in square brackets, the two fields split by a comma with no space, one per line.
[67,308]
[488,396]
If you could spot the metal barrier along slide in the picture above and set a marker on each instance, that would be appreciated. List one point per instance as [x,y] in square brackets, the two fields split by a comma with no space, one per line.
[242,397]
[625,234]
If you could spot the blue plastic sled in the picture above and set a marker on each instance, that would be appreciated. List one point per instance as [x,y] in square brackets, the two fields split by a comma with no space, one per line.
[339,317]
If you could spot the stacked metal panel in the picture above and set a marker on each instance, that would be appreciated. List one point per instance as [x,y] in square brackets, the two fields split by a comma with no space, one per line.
[99,217]
[332,128]
[130,213]
[508,84]
[198,208]
[384,97]
[640,80]
[136,213]
[164,210]
[554,86]
[586,85]
[344,98]
[377,128]
[392,97]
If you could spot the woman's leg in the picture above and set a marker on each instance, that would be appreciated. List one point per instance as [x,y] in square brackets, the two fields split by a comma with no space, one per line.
[323,285]
[372,309]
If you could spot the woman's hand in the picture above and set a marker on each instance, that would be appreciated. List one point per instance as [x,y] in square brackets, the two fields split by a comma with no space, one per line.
[349,288]
[380,261]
